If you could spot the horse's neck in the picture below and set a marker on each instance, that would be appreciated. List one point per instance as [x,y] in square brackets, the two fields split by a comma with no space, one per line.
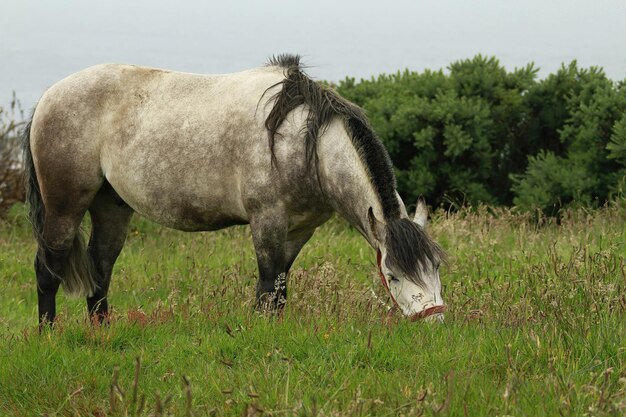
[345,180]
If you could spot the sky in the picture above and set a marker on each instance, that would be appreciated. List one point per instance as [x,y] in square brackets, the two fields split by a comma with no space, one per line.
[43,41]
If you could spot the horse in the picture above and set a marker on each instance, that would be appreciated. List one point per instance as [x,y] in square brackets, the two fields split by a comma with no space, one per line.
[268,147]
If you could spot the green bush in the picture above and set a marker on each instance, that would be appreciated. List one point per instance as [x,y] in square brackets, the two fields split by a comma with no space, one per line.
[482,134]
[587,165]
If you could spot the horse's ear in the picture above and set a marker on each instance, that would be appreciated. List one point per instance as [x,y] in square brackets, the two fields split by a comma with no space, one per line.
[377,227]
[421,213]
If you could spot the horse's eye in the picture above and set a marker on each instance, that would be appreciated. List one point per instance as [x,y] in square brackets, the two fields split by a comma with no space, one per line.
[393,279]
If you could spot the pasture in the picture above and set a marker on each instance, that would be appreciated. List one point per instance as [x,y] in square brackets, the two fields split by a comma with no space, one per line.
[536,326]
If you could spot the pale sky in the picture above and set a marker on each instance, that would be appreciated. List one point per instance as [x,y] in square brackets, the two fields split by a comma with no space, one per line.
[44,41]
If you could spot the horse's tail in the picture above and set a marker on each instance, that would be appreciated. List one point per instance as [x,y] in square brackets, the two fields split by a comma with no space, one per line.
[78,271]
[33,193]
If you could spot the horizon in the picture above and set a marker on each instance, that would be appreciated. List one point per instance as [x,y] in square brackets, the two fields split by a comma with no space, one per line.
[44,42]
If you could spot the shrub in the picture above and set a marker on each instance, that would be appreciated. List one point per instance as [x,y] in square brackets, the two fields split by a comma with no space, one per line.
[587,164]
[481,134]
[11,185]
[451,137]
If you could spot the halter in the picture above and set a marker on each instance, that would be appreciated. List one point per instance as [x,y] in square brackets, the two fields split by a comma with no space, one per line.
[379,258]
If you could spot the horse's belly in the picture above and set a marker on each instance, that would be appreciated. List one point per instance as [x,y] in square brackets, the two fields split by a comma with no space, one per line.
[183,205]
[188,215]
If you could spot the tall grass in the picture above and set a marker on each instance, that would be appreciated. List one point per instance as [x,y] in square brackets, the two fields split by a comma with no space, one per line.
[536,326]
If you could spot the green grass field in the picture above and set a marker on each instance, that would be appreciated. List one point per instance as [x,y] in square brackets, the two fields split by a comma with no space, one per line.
[536,326]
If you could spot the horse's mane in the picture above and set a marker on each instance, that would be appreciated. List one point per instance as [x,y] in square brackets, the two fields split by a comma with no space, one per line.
[323,106]
[408,244]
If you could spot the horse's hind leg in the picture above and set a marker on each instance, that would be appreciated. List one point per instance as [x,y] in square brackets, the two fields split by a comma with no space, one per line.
[61,258]
[110,216]
[47,288]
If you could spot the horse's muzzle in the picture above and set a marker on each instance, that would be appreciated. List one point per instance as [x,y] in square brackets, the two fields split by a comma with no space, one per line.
[435,312]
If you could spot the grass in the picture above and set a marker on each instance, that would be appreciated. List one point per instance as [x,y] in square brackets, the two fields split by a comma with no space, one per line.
[536,326]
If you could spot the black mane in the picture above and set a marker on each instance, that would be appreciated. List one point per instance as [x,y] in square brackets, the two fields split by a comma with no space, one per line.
[323,106]
[408,245]
[285,61]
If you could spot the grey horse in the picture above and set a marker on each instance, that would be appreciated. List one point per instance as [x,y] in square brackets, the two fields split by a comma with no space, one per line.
[267,147]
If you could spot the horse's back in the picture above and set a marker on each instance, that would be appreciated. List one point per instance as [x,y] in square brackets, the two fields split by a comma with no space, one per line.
[186,150]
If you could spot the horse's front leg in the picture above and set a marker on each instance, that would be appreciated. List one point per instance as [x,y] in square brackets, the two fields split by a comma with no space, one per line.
[269,234]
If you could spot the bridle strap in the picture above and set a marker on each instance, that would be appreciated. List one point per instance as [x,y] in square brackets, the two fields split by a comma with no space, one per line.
[379,258]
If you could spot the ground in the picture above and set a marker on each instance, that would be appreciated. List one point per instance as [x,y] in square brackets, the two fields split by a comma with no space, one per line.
[536,326]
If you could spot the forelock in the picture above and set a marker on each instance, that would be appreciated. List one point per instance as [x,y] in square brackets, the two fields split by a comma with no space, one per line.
[409,247]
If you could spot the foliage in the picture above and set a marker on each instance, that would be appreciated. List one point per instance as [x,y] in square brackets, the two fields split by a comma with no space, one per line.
[483,134]
[617,145]
[535,326]
[586,167]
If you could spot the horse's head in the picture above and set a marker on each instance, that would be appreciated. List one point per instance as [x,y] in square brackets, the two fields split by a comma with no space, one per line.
[408,263]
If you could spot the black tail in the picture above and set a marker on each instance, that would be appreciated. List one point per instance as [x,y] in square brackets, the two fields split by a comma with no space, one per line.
[77,276]
[33,193]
